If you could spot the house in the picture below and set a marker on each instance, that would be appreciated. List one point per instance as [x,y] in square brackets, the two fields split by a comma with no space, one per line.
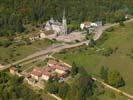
[87,25]
[1,66]
[54,68]
[49,71]
[36,73]
[52,62]
[128,16]
[13,70]
[90,26]
[37,36]
[45,76]
[61,69]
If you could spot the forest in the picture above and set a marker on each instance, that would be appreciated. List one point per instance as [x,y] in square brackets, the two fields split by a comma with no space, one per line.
[13,88]
[15,14]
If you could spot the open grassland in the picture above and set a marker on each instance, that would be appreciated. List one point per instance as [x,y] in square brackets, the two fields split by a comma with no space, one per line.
[92,58]
[14,52]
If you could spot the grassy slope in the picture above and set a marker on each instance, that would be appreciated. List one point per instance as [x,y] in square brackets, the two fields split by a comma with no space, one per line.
[92,61]
[25,50]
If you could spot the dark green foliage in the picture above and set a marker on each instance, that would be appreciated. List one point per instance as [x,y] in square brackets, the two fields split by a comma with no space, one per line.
[55,87]
[13,88]
[88,36]
[121,23]
[112,77]
[82,88]
[14,14]
[5,43]
[111,29]
[104,73]
[74,69]
[108,52]
[83,72]
[112,94]
[63,90]
[115,79]
[92,43]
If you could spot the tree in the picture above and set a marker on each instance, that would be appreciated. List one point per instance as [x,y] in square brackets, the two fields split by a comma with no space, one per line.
[121,23]
[52,87]
[92,42]
[115,79]
[83,72]
[12,88]
[6,43]
[63,90]
[74,69]
[85,87]
[104,73]
[88,36]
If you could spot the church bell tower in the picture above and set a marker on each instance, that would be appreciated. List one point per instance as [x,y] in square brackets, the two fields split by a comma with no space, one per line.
[64,24]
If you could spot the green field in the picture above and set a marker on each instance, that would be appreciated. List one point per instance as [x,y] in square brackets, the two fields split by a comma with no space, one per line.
[14,52]
[121,60]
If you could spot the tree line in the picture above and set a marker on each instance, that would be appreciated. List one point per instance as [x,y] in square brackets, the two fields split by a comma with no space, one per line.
[14,14]
[13,88]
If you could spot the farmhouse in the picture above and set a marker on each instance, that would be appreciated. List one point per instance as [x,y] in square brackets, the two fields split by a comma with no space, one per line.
[37,36]
[53,69]
[36,73]
[90,26]
[1,66]
[52,62]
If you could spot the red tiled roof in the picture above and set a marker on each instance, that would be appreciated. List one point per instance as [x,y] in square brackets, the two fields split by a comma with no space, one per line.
[52,61]
[61,68]
[37,71]
[87,24]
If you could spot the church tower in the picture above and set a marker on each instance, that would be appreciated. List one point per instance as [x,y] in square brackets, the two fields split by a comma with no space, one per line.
[64,24]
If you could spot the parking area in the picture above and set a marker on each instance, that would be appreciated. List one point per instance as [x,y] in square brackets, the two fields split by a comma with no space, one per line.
[72,37]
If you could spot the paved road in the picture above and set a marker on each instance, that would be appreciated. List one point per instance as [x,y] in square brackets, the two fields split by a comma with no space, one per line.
[59,47]
[98,32]
[113,88]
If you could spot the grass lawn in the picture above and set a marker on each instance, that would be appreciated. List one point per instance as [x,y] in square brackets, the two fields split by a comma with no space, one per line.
[108,96]
[29,67]
[13,53]
[121,60]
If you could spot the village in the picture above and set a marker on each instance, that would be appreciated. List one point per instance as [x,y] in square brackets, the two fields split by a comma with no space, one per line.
[39,72]
[35,76]
[56,30]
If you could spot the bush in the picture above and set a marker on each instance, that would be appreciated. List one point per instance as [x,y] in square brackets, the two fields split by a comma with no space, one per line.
[6,43]
[108,52]
[112,95]
[121,23]
[115,79]
[111,29]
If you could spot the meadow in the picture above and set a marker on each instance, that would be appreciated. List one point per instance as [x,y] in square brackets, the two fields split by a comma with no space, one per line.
[120,39]
[16,52]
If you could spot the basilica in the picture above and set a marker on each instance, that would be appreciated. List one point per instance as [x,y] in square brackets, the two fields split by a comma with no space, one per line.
[59,28]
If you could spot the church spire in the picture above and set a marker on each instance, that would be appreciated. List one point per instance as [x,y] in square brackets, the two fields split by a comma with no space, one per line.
[64,23]
[64,13]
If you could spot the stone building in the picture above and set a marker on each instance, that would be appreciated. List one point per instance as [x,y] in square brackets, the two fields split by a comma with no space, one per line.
[58,27]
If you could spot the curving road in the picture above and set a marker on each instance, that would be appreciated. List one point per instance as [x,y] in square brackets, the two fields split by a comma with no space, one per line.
[58,47]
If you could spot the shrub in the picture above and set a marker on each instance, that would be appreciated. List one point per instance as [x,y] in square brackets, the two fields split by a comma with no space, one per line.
[112,95]
[111,29]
